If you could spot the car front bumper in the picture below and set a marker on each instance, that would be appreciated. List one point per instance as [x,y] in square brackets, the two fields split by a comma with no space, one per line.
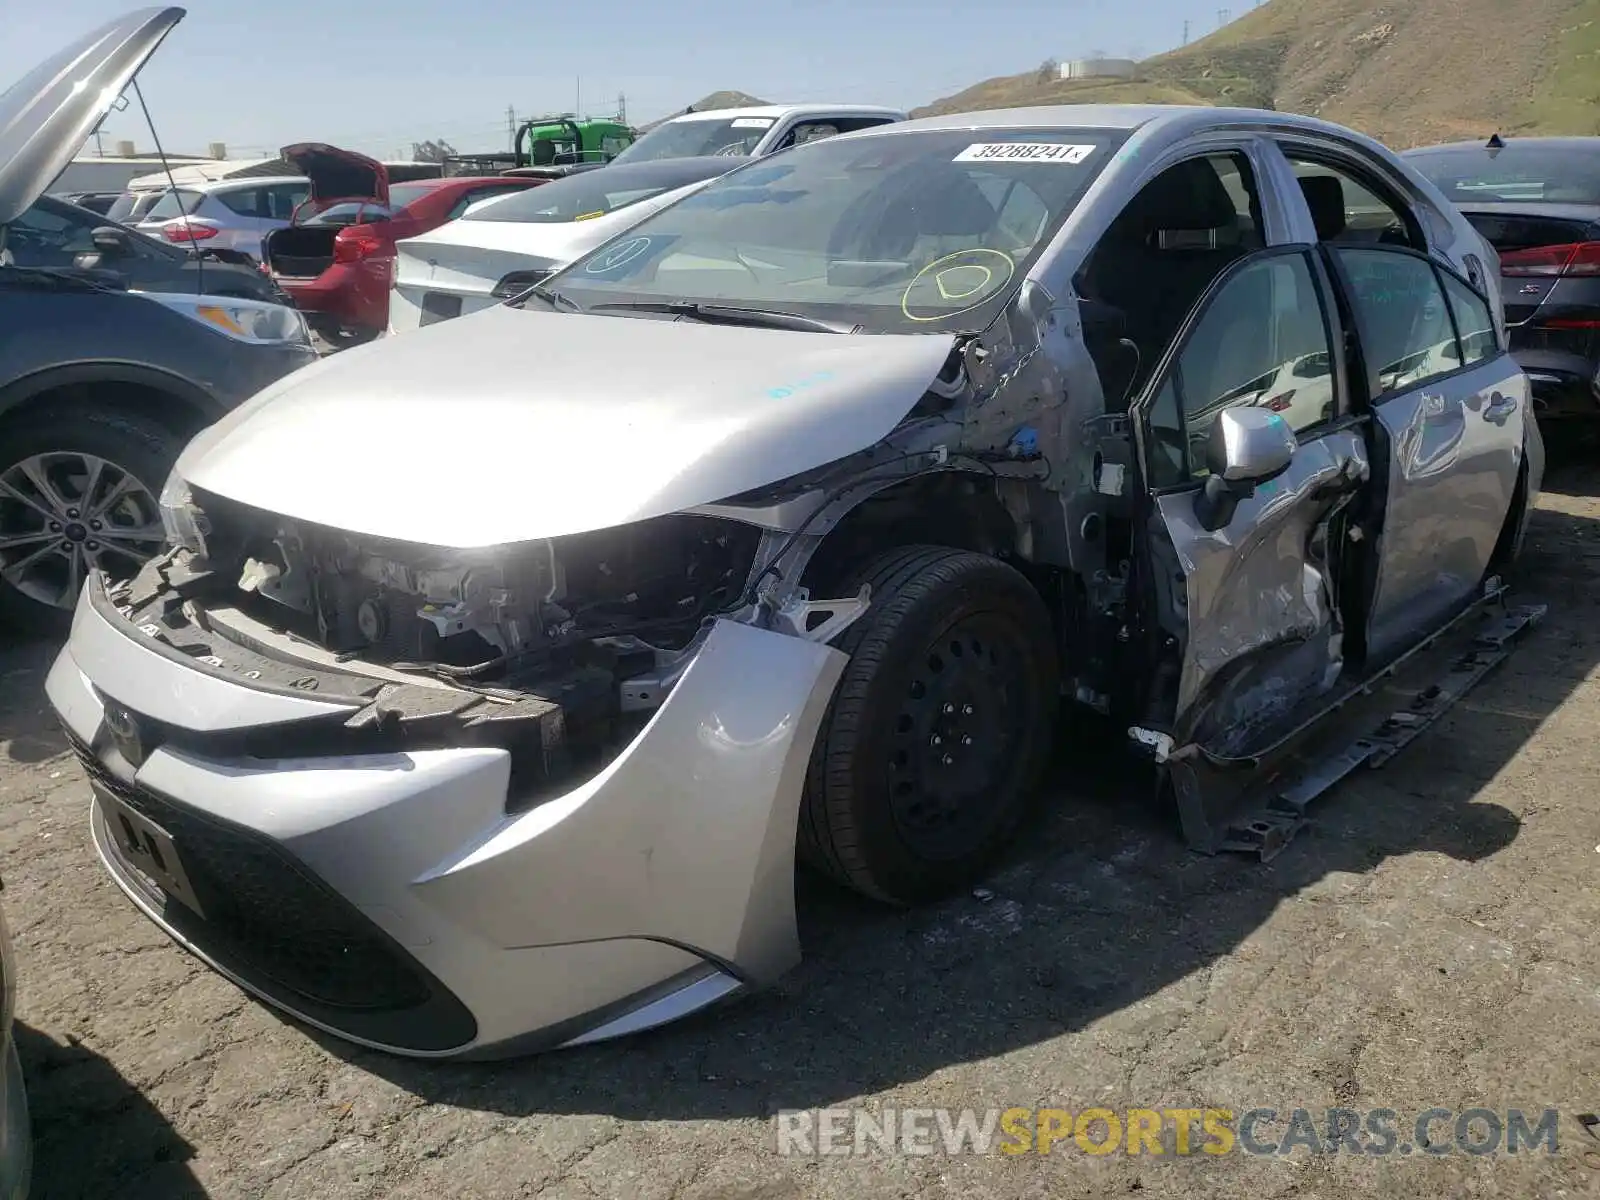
[391,899]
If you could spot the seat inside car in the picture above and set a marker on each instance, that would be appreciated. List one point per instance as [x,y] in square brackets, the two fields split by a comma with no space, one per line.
[1157,258]
[1325,198]
[915,219]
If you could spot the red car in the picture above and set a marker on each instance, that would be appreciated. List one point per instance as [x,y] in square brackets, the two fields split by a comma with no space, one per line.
[336,260]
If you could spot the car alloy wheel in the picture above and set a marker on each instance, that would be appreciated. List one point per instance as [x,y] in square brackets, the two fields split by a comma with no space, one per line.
[62,513]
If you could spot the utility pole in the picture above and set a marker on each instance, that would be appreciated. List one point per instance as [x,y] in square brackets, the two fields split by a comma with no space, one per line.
[1222,17]
[511,122]
[99,150]
[1186,33]
[622,108]
[577,99]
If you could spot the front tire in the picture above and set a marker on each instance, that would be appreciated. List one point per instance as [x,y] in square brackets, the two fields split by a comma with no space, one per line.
[939,730]
[79,485]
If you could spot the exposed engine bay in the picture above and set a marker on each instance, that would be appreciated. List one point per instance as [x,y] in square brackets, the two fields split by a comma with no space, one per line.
[495,615]
[557,651]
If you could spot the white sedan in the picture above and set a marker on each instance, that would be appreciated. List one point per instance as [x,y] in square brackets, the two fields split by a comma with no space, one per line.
[504,246]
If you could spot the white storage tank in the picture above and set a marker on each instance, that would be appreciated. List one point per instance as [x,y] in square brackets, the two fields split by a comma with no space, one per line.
[1099,68]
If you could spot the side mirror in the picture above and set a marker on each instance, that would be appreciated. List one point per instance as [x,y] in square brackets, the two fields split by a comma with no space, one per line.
[1246,448]
[111,241]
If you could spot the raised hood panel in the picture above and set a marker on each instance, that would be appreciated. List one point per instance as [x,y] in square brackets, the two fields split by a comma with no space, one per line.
[509,425]
[47,115]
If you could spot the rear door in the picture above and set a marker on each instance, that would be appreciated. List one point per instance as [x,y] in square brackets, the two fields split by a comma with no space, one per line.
[1449,405]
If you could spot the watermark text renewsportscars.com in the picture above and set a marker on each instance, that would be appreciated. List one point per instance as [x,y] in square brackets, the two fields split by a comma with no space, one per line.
[1166,1131]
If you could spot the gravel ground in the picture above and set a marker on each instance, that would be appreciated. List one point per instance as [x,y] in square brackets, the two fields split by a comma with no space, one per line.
[1431,940]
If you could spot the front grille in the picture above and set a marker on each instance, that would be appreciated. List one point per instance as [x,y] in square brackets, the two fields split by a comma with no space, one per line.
[272,922]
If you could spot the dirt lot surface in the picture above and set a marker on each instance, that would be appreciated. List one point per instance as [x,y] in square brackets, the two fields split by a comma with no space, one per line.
[1433,940]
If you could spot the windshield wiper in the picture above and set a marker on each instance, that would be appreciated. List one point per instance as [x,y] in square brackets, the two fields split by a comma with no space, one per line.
[722,314]
[58,279]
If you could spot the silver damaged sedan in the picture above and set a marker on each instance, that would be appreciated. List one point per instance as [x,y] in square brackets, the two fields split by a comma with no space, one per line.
[498,674]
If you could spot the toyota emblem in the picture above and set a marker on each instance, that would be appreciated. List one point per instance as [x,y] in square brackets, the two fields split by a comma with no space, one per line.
[125,733]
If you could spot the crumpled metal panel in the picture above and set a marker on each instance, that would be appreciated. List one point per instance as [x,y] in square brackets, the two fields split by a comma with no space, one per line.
[1253,583]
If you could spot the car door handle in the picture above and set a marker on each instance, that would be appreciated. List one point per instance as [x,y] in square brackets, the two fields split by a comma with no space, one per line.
[1499,407]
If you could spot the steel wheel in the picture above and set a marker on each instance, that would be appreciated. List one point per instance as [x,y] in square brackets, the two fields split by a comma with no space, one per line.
[956,730]
[938,730]
[62,512]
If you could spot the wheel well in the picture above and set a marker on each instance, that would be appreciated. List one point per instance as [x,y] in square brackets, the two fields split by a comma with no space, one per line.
[163,407]
[949,509]
[1506,547]
[960,511]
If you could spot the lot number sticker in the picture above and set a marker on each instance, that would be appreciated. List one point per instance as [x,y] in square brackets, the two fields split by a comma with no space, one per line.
[753,122]
[1047,152]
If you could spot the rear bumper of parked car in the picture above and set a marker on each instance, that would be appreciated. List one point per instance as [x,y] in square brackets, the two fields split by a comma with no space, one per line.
[352,295]
[393,899]
[1564,383]
[412,306]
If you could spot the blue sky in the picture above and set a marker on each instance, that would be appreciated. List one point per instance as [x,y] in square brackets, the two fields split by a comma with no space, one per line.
[378,76]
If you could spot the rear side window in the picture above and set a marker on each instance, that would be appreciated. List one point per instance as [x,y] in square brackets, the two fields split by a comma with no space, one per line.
[1348,210]
[472,197]
[283,198]
[247,202]
[122,207]
[1401,316]
[178,203]
[1474,320]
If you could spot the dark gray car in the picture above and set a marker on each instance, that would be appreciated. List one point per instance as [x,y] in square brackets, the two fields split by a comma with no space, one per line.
[1538,201]
[114,350]
[55,234]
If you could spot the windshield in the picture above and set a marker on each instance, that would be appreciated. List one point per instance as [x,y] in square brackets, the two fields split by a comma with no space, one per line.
[1551,173]
[174,204]
[589,194]
[697,137]
[928,230]
[122,207]
[353,212]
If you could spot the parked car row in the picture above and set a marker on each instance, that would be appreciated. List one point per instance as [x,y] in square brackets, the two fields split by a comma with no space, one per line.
[708,512]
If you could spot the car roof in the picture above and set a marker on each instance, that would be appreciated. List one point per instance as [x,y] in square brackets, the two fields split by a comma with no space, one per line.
[232,185]
[1075,116]
[777,111]
[1169,121]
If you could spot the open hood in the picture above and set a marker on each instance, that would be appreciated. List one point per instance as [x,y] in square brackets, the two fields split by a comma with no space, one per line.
[47,115]
[336,175]
[511,424]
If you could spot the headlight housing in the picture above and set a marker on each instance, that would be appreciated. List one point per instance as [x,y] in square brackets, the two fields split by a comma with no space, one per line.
[255,321]
[185,525]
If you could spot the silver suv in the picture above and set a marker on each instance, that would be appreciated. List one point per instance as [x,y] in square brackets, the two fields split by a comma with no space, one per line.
[233,214]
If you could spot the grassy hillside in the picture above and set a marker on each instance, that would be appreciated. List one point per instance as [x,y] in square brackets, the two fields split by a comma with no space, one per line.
[1405,71]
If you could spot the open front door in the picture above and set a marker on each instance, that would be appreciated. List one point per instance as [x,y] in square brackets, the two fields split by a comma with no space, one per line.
[1242,584]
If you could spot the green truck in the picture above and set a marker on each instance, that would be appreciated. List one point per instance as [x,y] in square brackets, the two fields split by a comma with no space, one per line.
[555,145]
